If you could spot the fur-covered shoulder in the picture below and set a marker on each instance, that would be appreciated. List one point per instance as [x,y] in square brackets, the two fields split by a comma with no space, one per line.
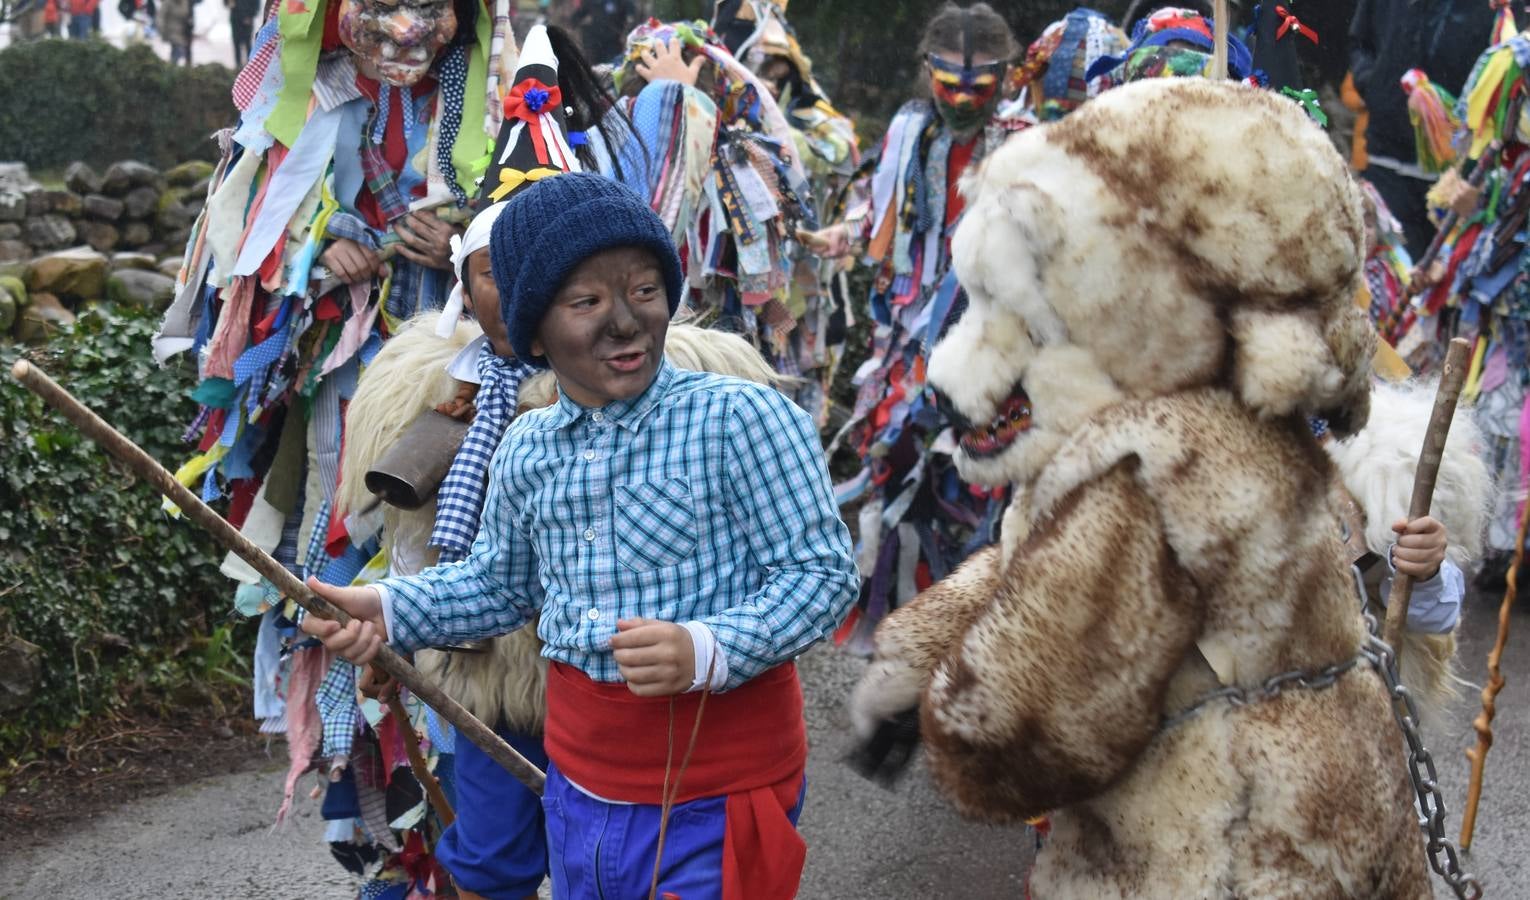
[1207,431]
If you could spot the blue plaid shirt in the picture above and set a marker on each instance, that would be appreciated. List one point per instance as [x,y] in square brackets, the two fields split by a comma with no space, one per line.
[703,499]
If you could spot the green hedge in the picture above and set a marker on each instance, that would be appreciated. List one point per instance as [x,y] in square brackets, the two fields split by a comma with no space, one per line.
[63,101]
[90,569]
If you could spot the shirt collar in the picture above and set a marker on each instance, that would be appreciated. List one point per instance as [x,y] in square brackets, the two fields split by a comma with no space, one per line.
[629,414]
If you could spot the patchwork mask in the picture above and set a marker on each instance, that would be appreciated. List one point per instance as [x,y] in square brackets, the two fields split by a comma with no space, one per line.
[400,38]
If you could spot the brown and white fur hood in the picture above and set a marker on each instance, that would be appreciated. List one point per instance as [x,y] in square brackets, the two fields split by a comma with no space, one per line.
[1160,292]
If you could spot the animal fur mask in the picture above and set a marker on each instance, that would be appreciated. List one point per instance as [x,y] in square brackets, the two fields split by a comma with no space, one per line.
[1169,235]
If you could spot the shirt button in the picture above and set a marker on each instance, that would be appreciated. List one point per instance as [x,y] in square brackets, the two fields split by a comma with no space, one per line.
[589,534]
[597,416]
[589,456]
[594,614]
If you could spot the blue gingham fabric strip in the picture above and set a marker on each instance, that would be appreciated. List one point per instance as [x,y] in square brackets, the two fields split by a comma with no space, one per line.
[460,500]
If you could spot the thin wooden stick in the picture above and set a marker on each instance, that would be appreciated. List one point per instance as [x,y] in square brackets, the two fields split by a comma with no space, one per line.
[422,773]
[1220,26]
[146,468]
[1484,721]
[1452,377]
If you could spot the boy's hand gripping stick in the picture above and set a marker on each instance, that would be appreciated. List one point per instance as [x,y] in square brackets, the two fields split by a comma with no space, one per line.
[1452,377]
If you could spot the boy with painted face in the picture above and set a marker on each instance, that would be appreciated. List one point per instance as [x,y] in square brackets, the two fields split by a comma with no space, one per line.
[677,534]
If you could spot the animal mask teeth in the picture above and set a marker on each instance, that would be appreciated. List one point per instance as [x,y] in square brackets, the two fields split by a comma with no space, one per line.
[1013,419]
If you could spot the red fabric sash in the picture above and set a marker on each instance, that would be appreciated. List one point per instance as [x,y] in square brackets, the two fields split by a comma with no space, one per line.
[752,748]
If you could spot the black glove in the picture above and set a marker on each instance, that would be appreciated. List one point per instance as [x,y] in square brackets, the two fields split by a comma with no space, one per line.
[885,756]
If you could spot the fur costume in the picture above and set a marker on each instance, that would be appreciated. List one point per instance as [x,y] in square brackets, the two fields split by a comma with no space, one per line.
[1163,539]
[1377,467]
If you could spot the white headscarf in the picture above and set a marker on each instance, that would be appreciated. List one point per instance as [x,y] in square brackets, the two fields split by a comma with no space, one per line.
[475,238]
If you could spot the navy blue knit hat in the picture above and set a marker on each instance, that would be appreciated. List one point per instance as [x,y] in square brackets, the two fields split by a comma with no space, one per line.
[550,227]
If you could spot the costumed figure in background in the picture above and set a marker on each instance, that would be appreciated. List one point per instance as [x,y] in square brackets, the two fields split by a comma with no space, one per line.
[1387,39]
[1053,79]
[1163,544]
[757,33]
[917,517]
[1172,42]
[1478,285]
[1377,467]
[1388,269]
[363,129]
[717,159]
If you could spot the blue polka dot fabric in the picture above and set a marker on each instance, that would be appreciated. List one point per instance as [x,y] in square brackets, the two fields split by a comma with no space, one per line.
[452,76]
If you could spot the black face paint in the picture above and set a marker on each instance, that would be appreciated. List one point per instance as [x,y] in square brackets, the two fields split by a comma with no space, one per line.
[967,38]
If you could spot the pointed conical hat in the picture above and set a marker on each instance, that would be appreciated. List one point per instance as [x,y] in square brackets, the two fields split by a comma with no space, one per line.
[533,140]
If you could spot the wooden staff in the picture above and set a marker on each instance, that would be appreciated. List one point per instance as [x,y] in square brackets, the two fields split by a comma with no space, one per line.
[1451,379]
[422,773]
[1484,721]
[1220,26]
[145,467]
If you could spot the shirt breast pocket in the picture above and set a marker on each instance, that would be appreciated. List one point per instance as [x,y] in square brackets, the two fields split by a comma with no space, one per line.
[655,524]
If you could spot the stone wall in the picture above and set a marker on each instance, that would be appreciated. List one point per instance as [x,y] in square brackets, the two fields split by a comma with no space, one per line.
[115,236]
[128,207]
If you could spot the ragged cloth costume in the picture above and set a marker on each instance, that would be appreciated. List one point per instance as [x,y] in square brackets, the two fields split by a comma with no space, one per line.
[721,168]
[322,153]
[758,34]
[1484,292]
[917,517]
[497,847]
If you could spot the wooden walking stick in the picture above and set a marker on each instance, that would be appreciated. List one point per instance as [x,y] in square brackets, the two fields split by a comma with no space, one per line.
[1452,376]
[1220,26]
[1484,721]
[145,467]
[422,773]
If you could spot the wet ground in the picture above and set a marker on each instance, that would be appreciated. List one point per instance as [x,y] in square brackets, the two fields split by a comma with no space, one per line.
[213,837]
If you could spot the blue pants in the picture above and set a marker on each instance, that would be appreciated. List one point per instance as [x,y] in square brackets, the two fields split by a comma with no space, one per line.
[605,851]
[498,845]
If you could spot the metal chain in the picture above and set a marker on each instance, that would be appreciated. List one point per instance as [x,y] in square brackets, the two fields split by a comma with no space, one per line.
[1269,689]
[1420,762]
[1421,769]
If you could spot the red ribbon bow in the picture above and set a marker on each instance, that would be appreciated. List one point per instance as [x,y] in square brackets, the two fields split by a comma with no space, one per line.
[542,101]
[1289,22]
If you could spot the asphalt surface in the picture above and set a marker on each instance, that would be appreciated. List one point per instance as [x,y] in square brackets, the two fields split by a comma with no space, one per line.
[213,838]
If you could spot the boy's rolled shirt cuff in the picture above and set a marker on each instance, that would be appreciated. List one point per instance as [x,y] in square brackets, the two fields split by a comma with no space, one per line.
[1435,606]
[707,650]
[385,599]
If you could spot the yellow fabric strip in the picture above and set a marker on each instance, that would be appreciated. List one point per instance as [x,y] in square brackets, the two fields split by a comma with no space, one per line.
[192,471]
[1474,373]
[510,179]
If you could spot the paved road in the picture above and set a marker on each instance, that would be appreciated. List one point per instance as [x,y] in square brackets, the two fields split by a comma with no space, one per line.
[213,838]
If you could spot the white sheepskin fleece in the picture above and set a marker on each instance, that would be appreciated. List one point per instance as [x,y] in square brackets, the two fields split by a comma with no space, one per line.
[1379,463]
[407,377]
